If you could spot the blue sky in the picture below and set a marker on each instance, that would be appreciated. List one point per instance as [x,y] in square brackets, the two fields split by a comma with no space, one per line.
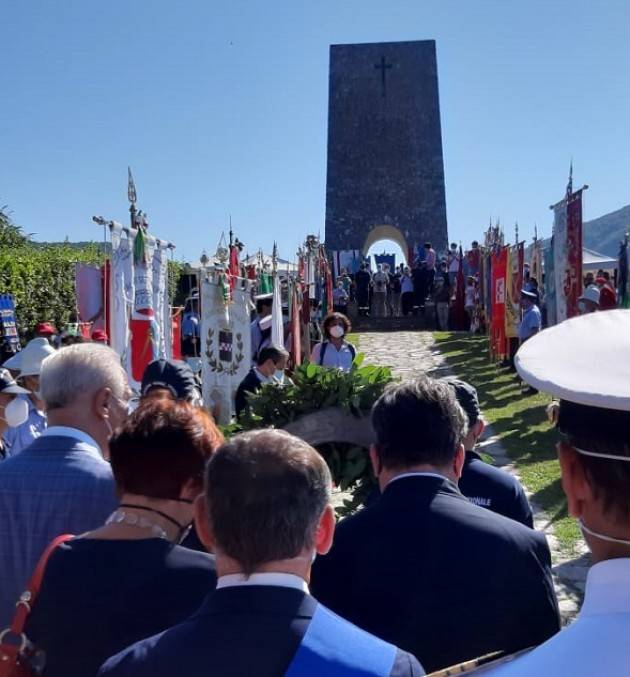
[220,107]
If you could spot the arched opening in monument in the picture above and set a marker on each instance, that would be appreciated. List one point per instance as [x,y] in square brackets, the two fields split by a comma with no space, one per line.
[386,239]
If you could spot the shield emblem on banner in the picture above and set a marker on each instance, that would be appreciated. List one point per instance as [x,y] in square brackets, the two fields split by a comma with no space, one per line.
[225,345]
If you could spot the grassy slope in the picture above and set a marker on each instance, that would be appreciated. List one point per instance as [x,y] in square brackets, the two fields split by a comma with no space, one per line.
[520,421]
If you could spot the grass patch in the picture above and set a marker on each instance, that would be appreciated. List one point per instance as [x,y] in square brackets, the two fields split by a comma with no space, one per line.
[520,421]
[354,339]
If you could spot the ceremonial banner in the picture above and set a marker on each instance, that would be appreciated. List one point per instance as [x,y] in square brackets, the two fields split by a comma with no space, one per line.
[88,281]
[499,266]
[121,285]
[296,326]
[350,259]
[567,255]
[161,307]
[513,287]
[535,263]
[550,285]
[139,315]
[573,283]
[225,344]
[389,259]
[277,325]
[143,324]
[8,322]
[560,259]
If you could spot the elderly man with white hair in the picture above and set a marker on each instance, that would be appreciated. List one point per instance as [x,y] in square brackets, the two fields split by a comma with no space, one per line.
[61,483]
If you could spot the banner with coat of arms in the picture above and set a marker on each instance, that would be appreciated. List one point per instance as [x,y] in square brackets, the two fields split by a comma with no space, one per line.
[225,343]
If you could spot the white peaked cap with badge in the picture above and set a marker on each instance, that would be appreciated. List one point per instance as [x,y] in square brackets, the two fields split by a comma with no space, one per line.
[585,360]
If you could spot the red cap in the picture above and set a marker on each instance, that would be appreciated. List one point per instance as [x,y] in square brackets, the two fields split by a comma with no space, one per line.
[45,329]
[100,335]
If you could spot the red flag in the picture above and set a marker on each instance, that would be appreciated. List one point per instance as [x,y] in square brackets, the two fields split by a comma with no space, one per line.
[499,265]
[235,268]
[176,333]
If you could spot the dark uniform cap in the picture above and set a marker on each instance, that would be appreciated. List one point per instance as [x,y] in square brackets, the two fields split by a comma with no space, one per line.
[467,398]
[173,375]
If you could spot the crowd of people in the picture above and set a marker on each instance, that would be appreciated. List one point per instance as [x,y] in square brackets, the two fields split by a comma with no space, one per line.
[431,280]
[170,550]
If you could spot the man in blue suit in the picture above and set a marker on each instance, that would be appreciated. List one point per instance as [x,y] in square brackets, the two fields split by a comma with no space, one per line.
[423,567]
[266,513]
[61,483]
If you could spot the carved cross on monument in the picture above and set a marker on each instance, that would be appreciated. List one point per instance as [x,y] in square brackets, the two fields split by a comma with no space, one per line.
[383,67]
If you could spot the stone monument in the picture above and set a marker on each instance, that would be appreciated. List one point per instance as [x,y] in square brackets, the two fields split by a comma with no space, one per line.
[385,176]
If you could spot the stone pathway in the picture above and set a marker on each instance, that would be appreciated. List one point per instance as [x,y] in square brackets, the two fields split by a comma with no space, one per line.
[410,353]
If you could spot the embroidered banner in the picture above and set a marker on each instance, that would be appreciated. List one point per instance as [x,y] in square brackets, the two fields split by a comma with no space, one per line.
[139,314]
[573,281]
[121,284]
[550,285]
[499,265]
[515,256]
[560,259]
[225,344]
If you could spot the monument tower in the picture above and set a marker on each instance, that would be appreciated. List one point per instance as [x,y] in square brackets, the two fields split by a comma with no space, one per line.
[385,176]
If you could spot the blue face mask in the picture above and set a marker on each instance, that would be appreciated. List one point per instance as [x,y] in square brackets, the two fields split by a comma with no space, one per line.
[279,375]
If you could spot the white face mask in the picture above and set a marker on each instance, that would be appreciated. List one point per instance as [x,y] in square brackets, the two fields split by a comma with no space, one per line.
[337,331]
[16,412]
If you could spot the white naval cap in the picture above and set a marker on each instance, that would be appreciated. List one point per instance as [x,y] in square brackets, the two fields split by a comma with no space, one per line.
[585,360]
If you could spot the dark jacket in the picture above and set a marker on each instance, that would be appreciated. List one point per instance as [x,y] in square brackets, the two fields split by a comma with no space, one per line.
[250,384]
[490,487]
[251,631]
[439,577]
[100,596]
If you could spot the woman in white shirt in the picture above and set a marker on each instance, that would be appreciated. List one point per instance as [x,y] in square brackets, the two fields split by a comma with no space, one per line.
[334,351]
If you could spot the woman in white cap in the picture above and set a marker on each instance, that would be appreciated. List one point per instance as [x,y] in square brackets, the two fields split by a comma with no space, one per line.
[584,363]
[29,362]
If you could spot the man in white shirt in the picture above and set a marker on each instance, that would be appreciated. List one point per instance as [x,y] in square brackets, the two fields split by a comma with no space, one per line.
[265,514]
[593,419]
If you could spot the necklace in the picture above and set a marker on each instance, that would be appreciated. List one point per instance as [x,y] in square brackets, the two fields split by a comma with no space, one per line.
[131,519]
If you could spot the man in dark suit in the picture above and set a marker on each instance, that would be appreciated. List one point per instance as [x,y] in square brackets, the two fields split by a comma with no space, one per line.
[482,483]
[266,513]
[423,567]
[270,365]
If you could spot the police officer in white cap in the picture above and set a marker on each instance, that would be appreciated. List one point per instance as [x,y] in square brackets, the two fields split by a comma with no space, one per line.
[593,419]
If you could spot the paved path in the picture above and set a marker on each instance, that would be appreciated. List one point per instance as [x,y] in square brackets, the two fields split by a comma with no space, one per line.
[411,353]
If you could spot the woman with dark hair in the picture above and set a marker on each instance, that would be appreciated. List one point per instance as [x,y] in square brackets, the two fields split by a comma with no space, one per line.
[334,351]
[130,578]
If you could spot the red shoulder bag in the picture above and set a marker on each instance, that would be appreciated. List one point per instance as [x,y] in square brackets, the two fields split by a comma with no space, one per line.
[17,653]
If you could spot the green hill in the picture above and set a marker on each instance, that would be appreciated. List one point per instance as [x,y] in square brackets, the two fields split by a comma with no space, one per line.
[606,232]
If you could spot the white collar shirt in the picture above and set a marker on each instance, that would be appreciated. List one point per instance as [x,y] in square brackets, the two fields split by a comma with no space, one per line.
[417,474]
[276,579]
[597,642]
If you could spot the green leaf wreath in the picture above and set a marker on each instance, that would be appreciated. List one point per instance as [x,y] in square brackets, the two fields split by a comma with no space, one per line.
[315,388]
